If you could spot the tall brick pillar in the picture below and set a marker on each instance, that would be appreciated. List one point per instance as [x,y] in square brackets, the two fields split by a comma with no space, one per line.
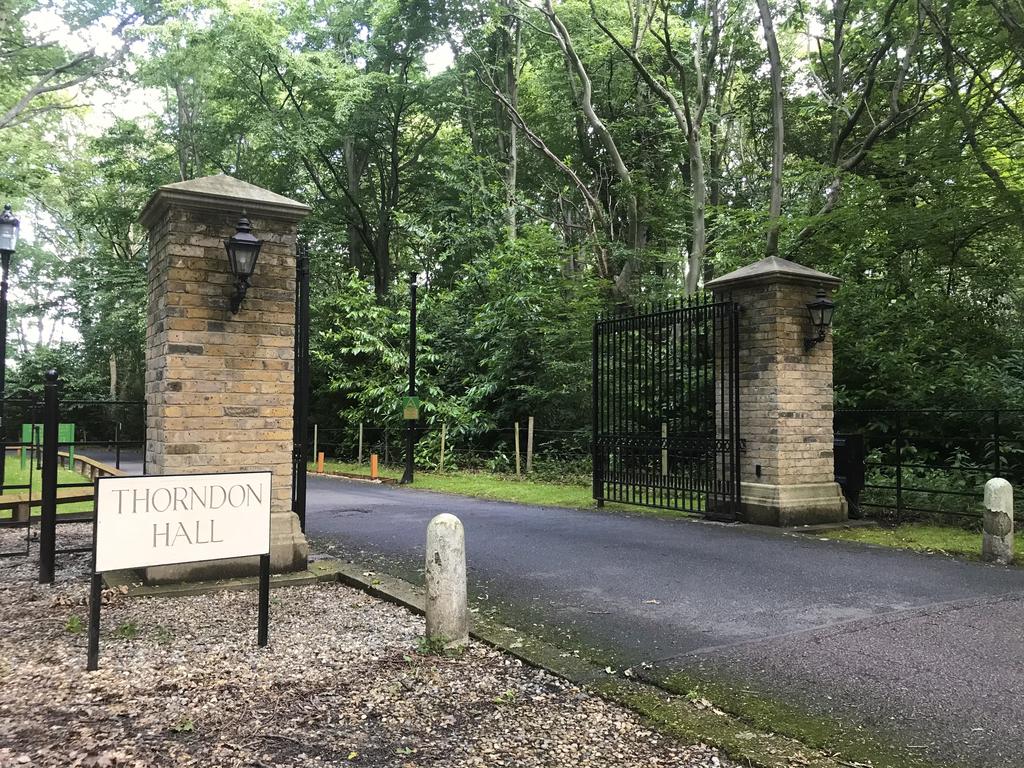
[785,394]
[220,387]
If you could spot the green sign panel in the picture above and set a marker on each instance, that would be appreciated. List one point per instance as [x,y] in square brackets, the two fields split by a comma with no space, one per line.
[32,434]
[410,408]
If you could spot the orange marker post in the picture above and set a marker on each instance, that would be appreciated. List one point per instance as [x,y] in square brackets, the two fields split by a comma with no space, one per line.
[320,462]
[373,466]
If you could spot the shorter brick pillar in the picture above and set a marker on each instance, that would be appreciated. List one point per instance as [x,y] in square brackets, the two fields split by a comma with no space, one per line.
[787,476]
[220,386]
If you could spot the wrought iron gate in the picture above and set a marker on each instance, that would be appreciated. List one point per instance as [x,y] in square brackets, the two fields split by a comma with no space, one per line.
[666,407]
[300,421]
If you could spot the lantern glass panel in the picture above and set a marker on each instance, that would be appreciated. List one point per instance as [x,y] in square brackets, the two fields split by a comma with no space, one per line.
[817,312]
[826,316]
[8,235]
[245,258]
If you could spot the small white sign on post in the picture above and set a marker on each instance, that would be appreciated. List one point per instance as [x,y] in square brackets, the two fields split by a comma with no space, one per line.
[172,519]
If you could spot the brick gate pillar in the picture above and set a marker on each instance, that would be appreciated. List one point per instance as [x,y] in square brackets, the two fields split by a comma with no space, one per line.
[220,387]
[785,394]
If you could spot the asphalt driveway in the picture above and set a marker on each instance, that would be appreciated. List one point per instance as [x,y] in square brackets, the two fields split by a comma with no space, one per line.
[923,649]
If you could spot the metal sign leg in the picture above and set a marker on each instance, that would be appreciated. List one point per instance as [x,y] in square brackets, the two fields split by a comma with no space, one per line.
[264,617]
[95,596]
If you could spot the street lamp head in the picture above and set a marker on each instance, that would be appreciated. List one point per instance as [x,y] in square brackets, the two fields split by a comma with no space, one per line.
[8,230]
[820,312]
[243,249]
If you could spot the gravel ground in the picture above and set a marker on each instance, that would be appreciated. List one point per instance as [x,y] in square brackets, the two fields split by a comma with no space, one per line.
[182,683]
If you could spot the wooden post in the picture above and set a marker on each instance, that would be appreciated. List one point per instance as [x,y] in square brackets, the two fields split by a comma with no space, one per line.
[529,444]
[517,450]
[360,457]
[373,466]
[444,429]
[664,449]
[320,462]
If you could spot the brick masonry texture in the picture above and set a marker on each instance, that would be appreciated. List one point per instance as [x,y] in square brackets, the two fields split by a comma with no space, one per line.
[785,393]
[219,387]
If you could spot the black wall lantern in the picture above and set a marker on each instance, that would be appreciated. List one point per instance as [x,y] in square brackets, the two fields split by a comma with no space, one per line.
[8,231]
[243,249]
[820,311]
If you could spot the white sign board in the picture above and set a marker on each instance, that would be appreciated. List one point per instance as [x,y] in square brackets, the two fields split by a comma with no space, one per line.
[169,519]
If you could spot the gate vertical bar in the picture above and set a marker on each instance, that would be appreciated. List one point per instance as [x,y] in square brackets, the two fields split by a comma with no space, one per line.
[723,486]
[684,318]
[301,402]
[598,482]
[145,433]
[736,408]
[633,390]
[642,400]
[615,342]
[48,511]
[707,389]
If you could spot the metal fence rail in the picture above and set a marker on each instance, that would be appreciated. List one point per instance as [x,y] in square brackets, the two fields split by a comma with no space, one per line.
[933,463]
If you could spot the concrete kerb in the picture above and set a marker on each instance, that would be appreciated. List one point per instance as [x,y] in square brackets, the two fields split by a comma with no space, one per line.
[355,476]
[824,527]
[136,587]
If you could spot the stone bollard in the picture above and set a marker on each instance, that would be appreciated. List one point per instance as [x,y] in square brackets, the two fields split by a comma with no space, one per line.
[997,538]
[447,617]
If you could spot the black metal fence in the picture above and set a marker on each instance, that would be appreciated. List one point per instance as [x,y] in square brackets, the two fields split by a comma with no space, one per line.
[19,472]
[665,414]
[553,454]
[54,449]
[933,464]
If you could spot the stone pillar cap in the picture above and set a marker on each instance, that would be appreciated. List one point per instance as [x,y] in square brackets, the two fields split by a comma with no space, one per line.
[771,270]
[222,193]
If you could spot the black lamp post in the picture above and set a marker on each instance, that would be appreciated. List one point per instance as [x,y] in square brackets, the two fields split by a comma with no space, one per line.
[820,311]
[8,242]
[410,423]
[243,249]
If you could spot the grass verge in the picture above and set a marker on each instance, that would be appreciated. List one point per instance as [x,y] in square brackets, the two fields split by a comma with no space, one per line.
[485,485]
[920,537]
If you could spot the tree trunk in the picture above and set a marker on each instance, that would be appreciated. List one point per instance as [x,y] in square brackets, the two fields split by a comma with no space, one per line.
[382,263]
[355,247]
[775,63]
[634,236]
[698,185]
[513,40]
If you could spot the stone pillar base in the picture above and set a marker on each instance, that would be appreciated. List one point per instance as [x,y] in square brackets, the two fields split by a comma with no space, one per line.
[288,552]
[787,505]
